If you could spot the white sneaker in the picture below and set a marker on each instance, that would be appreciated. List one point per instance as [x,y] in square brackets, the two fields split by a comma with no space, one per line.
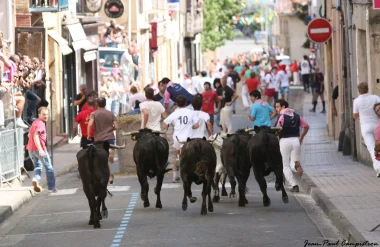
[53,191]
[21,123]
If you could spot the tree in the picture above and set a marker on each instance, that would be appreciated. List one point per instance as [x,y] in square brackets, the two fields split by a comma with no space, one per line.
[218,24]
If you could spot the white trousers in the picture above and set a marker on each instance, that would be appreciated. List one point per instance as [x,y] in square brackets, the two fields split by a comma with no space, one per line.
[368,133]
[245,96]
[1,113]
[226,118]
[296,78]
[290,150]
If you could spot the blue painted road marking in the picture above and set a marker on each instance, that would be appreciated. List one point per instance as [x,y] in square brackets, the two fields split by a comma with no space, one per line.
[125,221]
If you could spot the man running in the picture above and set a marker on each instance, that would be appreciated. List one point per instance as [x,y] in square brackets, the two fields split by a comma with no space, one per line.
[290,141]
[228,97]
[318,90]
[151,112]
[105,123]
[184,121]
[261,112]
[83,118]
[172,90]
[38,152]
[210,98]
[205,127]
[305,68]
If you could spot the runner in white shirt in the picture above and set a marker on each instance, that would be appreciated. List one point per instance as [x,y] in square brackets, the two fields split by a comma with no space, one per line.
[184,121]
[363,109]
[187,84]
[151,112]
[205,127]
[270,91]
[283,79]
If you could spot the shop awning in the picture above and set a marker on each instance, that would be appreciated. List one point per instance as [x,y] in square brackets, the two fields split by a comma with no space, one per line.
[63,44]
[80,41]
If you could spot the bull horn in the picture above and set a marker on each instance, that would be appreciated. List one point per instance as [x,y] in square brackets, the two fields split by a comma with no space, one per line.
[114,146]
[249,129]
[212,140]
[159,132]
[179,141]
[129,133]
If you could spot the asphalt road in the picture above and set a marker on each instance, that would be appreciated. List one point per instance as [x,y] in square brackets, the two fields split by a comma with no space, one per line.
[62,219]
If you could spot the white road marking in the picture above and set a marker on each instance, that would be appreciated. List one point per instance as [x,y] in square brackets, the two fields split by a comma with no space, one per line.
[171,186]
[118,188]
[319,30]
[64,192]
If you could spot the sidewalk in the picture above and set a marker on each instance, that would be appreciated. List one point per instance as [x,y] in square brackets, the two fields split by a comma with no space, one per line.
[347,191]
[11,198]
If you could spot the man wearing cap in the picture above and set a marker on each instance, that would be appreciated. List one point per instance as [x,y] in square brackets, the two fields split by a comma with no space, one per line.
[80,99]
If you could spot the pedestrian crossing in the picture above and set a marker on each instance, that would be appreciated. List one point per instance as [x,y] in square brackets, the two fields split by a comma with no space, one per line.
[112,189]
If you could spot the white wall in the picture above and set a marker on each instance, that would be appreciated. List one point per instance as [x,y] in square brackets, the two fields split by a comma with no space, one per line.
[297,38]
[7,20]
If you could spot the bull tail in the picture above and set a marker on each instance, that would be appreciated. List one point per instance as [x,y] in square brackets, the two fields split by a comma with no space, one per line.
[109,193]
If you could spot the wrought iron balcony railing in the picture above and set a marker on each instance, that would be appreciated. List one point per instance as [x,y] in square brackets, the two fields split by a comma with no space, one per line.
[48,5]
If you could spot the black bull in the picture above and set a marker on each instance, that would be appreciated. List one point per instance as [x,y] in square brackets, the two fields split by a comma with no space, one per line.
[198,163]
[265,157]
[150,154]
[95,173]
[235,159]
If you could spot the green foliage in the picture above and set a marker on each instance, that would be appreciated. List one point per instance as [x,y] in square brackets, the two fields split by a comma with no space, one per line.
[306,44]
[218,24]
[301,11]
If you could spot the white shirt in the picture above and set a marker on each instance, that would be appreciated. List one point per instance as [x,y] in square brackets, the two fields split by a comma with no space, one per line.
[305,67]
[283,78]
[134,97]
[364,106]
[268,79]
[219,75]
[230,83]
[197,81]
[275,82]
[118,90]
[155,109]
[202,130]
[187,84]
[183,120]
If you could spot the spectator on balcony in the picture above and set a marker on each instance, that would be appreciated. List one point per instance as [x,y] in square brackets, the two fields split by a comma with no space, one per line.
[110,36]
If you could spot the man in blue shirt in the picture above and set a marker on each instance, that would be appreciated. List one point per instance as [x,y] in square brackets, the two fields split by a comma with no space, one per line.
[261,112]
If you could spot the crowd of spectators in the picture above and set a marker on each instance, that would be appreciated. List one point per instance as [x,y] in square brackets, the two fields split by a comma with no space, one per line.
[22,82]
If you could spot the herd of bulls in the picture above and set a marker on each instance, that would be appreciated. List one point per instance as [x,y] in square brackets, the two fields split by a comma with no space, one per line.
[199,163]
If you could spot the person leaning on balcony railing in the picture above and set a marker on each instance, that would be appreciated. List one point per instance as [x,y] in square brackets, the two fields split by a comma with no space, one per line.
[10,77]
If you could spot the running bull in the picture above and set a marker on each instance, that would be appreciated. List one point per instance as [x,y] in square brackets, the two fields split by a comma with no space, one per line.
[265,157]
[95,173]
[234,156]
[198,163]
[150,154]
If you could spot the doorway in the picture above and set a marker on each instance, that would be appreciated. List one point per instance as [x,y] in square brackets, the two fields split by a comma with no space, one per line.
[69,91]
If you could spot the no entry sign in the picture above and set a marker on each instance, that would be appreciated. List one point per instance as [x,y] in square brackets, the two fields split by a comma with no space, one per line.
[319,30]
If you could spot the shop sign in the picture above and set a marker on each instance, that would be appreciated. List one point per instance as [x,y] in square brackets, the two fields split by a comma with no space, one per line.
[94,5]
[114,8]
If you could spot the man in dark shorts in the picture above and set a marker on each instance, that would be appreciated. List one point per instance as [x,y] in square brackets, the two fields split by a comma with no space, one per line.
[105,123]
[318,90]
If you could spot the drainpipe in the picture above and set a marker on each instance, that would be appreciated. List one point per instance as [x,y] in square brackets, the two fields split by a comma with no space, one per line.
[352,75]
[344,137]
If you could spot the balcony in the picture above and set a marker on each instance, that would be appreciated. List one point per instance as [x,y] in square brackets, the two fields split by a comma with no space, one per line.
[48,5]
[194,18]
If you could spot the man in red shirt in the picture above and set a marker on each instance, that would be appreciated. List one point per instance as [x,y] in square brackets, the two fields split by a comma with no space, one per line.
[83,118]
[294,70]
[90,94]
[38,152]
[209,99]
[253,83]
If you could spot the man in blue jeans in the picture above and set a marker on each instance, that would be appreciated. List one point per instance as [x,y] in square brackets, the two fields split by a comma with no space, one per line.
[38,152]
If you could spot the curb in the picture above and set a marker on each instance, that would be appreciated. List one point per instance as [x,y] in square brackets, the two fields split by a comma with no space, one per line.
[347,230]
[7,211]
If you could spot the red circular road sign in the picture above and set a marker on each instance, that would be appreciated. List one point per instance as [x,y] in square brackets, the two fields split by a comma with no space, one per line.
[319,30]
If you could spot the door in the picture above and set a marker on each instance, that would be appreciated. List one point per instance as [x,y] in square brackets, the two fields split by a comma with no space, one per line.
[69,92]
